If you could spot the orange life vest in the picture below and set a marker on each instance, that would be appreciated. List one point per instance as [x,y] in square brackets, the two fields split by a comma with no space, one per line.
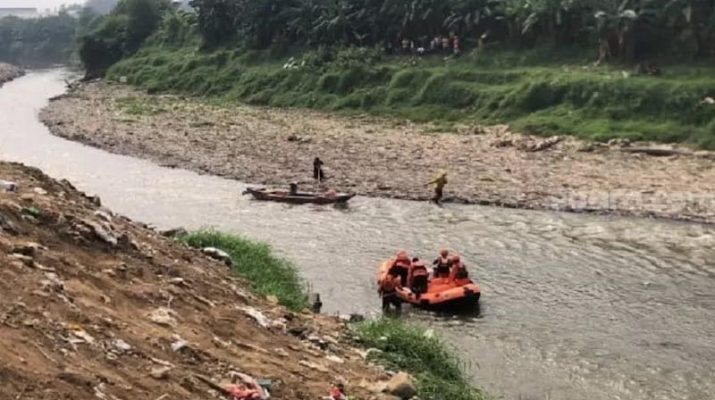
[389,284]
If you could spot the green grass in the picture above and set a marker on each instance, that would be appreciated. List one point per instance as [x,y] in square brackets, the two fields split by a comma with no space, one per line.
[530,90]
[438,372]
[267,273]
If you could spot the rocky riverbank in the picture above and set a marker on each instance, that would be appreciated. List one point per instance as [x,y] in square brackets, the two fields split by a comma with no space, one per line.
[94,305]
[9,72]
[387,158]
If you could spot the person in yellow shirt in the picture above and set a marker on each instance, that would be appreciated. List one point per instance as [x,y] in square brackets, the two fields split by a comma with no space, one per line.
[439,184]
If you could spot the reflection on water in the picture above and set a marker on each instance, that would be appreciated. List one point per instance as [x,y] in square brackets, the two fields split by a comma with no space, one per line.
[574,307]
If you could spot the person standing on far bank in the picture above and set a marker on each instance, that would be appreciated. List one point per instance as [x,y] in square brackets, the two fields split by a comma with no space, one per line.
[318,174]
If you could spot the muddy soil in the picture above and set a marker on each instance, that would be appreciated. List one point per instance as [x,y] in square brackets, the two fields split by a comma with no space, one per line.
[374,157]
[9,72]
[93,305]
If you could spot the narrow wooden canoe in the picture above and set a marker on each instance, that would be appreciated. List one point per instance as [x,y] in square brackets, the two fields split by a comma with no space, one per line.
[284,196]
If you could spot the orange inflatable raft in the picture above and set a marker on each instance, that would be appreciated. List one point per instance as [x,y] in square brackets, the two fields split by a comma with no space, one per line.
[441,292]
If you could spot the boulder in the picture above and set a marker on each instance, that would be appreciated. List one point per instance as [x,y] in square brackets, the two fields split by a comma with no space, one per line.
[401,385]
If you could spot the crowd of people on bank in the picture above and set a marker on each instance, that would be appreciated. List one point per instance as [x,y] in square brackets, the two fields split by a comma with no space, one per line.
[439,44]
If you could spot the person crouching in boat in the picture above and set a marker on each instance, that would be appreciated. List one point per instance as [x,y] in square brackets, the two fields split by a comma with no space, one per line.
[442,264]
[458,273]
[401,267]
[418,277]
[388,292]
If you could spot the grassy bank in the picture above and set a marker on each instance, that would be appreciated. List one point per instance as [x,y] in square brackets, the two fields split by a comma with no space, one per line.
[404,347]
[267,273]
[531,91]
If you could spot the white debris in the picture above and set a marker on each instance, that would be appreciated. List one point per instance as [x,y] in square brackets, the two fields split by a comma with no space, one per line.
[258,316]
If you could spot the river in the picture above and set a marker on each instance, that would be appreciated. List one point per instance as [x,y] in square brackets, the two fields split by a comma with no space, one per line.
[574,306]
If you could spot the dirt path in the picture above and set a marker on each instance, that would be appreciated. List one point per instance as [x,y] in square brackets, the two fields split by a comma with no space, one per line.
[376,157]
[95,306]
[9,72]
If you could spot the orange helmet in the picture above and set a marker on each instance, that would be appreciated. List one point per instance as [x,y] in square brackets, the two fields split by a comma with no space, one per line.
[444,252]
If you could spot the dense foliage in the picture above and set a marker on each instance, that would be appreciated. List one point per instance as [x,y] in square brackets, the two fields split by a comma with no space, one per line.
[120,33]
[622,29]
[38,41]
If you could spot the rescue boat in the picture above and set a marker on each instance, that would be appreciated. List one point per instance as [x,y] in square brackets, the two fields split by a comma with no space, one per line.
[441,292]
[284,196]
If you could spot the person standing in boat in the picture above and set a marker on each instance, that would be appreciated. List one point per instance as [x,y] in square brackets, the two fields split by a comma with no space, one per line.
[418,277]
[443,264]
[458,271]
[439,184]
[318,174]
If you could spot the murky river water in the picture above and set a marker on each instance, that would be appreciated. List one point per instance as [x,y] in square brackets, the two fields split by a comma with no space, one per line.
[574,307]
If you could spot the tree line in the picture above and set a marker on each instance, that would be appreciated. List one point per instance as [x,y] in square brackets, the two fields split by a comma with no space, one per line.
[616,30]
[37,42]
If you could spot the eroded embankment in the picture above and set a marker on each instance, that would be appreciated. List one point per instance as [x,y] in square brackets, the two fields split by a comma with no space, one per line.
[93,305]
[390,159]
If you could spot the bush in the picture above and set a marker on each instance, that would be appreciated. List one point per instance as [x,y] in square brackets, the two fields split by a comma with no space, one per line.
[403,347]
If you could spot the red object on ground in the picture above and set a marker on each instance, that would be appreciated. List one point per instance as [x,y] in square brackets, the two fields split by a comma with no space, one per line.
[241,392]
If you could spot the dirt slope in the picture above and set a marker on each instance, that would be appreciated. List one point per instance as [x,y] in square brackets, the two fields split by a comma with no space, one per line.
[92,303]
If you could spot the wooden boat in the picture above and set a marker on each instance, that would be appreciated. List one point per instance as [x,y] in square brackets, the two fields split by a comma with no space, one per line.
[441,292]
[285,196]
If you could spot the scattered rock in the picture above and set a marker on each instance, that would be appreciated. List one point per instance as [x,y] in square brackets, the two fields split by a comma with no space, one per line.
[28,249]
[164,317]
[102,233]
[258,316]
[401,385]
[272,299]
[218,254]
[542,145]
[654,151]
[160,373]
[281,352]
[40,191]
[314,366]
[335,359]
[586,147]
[121,346]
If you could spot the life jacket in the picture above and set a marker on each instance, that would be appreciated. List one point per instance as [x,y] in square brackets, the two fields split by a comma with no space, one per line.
[419,269]
[389,284]
[443,262]
[458,272]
